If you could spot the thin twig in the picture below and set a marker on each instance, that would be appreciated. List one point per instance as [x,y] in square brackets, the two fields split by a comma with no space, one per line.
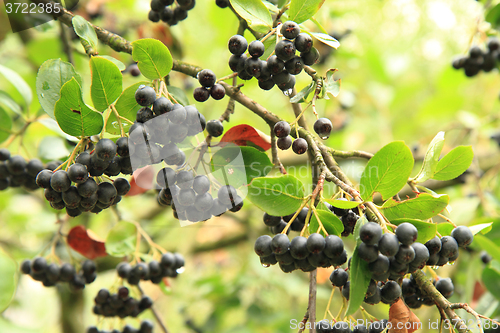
[311,307]
[155,313]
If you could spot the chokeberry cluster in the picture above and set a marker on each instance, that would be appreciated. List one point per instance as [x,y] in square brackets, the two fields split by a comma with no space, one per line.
[209,87]
[51,274]
[280,68]
[120,304]
[277,224]
[146,327]
[154,271]
[301,253]
[347,216]
[445,250]
[414,297]
[86,195]
[15,171]
[282,131]
[170,11]
[479,60]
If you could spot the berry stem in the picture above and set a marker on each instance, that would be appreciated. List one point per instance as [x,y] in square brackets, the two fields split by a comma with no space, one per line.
[304,203]
[227,77]
[115,112]
[311,307]
[148,239]
[329,303]
[155,313]
[447,220]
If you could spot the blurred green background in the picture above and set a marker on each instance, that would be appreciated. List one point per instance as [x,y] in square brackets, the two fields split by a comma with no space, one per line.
[397,84]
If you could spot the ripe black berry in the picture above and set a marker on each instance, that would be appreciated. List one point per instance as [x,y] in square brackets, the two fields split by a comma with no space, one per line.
[323,127]
[298,248]
[105,149]
[38,265]
[60,181]
[370,233]
[145,96]
[43,178]
[4,154]
[106,192]
[144,114]
[295,65]
[379,266]
[256,49]
[34,166]
[281,129]
[122,186]
[253,66]
[285,50]
[339,277]
[315,243]
[299,146]
[463,236]
[445,287]
[201,94]
[222,3]
[290,30]
[217,91]
[280,244]
[287,85]
[390,291]
[237,62]
[433,245]
[153,17]
[71,197]
[334,246]
[310,57]
[449,247]
[303,42]
[346,290]
[206,78]
[215,128]
[421,255]
[237,44]
[227,194]
[275,65]
[406,233]
[405,255]
[368,253]
[78,173]
[485,257]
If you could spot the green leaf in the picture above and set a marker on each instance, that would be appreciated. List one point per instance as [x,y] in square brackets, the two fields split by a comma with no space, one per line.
[269,46]
[359,223]
[330,221]
[493,16]
[84,30]
[431,159]
[239,165]
[445,228]
[490,277]
[121,66]
[301,96]
[122,239]
[153,58]
[18,83]
[281,3]
[454,163]
[422,207]
[483,228]
[8,282]
[331,85]
[9,103]
[387,171]
[73,115]
[5,125]
[342,203]
[488,245]
[360,277]
[52,75]
[426,230]
[179,95]
[52,148]
[255,13]
[326,39]
[106,82]
[278,196]
[303,10]
[127,107]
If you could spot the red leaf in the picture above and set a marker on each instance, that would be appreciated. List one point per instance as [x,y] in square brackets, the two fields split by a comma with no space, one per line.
[241,134]
[141,181]
[86,242]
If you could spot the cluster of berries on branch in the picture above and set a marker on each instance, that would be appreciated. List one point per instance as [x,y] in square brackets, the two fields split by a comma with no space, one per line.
[146,327]
[209,87]
[479,60]
[414,297]
[170,11]
[154,271]
[52,274]
[120,304]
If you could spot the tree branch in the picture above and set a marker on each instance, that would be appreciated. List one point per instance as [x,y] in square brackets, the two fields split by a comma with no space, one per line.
[311,308]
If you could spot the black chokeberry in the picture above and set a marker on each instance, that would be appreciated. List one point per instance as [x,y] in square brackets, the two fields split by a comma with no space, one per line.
[280,244]
[161,105]
[281,129]
[106,192]
[406,233]
[285,50]
[303,42]
[145,96]
[405,255]
[275,65]
[263,246]
[201,94]
[379,266]
[60,181]
[449,247]
[310,57]
[4,154]
[445,287]
[485,257]
[201,184]
[186,197]
[78,173]
[237,44]
[34,166]
[215,128]
[295,65]
[105,149]
[323,127]
[256,49]
[368,253]
[153,17]
[390,291]
[339,277]
[433,245]
[421,255]
[144,115]
[370,233]
[290,30]
[43,178]
[463,236]
[253,67]
[122,186]
[334,246]
[206,78]
[315,243]
[299,146]
[237,62]
[217,91]
[298,248]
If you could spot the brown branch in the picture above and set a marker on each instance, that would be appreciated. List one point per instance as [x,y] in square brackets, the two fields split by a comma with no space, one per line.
[297,110]
[311,308]
[467,308]
[67,49]
[303,322]
[426,286]
[155,314]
